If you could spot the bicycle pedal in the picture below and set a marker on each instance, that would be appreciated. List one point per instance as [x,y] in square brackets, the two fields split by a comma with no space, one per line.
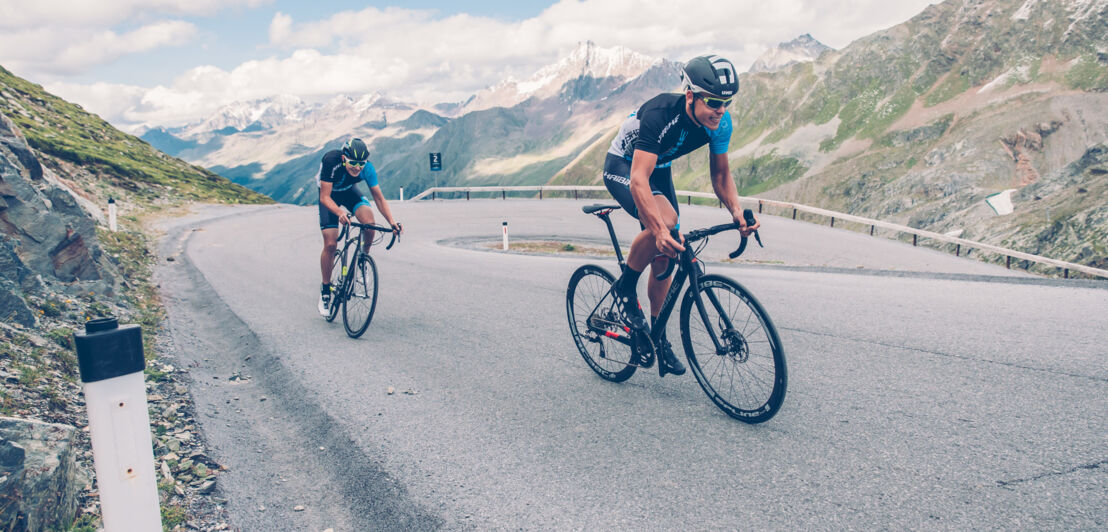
[642,351]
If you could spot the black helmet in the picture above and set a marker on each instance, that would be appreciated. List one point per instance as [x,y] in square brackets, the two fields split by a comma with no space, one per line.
[711,74]
[355,150]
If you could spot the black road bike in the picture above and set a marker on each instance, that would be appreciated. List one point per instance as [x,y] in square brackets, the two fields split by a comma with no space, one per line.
[354,277]
[730,342]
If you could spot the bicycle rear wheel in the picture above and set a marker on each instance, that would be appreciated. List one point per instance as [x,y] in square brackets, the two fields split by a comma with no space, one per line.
[361,295]
[746,375]
[594,322]
[338,271]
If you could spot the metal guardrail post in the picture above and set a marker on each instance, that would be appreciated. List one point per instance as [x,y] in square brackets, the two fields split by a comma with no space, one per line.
[915,239]
[111,361]
[832,221]
[467,195]
[540,193]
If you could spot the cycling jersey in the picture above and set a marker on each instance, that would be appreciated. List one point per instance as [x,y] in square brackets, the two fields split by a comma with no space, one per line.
[662,127]
[344,189]
[333,171]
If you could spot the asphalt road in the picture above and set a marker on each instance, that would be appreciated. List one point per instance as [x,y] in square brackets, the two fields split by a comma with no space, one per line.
[925,391]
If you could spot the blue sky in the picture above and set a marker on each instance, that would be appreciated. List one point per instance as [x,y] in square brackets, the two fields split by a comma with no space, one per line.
[168,62]
[239,34]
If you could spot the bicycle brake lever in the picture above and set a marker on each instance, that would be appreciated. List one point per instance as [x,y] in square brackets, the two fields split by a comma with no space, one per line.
[748,216]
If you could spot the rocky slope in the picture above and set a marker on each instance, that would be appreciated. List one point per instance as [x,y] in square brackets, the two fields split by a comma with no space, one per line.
[918,123]
[60,266]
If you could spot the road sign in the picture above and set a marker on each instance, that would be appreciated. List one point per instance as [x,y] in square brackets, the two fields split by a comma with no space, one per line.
[436,161]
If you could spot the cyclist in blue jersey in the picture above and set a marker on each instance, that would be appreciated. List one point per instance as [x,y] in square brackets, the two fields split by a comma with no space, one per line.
[340,171]
[637,173]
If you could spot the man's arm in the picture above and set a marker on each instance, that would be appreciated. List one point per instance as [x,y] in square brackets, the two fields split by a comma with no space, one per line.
[329,204]
[383,206]
[725,190]
[642,165]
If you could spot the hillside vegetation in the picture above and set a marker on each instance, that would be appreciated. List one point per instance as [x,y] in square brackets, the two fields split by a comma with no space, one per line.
[105,156]
[918,123]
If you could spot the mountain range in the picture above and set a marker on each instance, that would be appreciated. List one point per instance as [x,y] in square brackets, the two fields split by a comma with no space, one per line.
[914,124]
[799,50]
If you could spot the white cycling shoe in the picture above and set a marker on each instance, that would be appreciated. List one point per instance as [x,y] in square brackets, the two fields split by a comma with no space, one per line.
[323,306]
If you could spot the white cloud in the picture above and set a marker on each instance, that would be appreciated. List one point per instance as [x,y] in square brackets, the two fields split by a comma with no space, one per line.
[39,51]
[100,13]
[421,54]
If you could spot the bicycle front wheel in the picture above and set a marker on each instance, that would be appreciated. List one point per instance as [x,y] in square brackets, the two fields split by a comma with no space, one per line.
[733,349]
[361,295]
[594,322]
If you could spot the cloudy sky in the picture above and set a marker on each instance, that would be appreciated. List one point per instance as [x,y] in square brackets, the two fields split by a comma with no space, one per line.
[168,62]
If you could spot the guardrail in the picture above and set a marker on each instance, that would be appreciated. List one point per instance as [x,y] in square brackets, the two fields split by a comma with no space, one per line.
[959,243]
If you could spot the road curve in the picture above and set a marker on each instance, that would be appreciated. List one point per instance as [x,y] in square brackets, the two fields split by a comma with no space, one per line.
[925,391]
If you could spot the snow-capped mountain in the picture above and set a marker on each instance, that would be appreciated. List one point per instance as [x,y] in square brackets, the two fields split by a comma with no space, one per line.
[587,60]
[261,113]
[799,50]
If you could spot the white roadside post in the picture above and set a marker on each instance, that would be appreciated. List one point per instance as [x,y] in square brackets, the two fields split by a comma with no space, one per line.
[505,226]
[401,194]
[111,214]
[111,361]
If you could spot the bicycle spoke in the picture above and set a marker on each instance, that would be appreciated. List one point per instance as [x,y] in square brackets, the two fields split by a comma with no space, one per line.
[590,310]
[744,373]
[361,296]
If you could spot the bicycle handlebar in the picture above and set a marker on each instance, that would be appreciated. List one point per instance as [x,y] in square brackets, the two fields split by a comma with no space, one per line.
[376,227]
[700,234]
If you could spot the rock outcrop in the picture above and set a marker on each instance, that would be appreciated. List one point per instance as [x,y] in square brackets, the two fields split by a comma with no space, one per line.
[38,470]
[45,235]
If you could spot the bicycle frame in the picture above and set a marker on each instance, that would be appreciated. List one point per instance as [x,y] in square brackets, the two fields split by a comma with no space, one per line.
[686,270]
[347,237]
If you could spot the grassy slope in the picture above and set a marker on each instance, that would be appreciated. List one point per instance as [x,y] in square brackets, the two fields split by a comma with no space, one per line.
[66,132]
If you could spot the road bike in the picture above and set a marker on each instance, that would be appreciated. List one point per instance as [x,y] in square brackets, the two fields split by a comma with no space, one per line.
[354,277]
[730,342]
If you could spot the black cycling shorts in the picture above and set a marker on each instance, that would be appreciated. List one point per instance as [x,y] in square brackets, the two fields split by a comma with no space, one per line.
[350,198]
[617,178]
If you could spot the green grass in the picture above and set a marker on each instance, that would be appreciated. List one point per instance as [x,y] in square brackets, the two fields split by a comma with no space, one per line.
[754,175]
[1087,75]
[952,86]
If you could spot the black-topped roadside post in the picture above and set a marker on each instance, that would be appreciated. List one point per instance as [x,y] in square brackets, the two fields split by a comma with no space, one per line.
[111,361]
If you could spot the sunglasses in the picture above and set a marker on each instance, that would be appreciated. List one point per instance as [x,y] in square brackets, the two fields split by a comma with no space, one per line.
[715,103]
[356,164]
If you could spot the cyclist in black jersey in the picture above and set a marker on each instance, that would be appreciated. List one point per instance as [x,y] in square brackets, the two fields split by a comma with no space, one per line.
[637,173]
[340,172]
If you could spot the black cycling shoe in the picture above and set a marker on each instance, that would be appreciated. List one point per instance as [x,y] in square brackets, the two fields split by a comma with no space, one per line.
[632,314]
[667,361]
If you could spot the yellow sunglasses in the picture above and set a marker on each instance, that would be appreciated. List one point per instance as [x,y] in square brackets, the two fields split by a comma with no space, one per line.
[716,103]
